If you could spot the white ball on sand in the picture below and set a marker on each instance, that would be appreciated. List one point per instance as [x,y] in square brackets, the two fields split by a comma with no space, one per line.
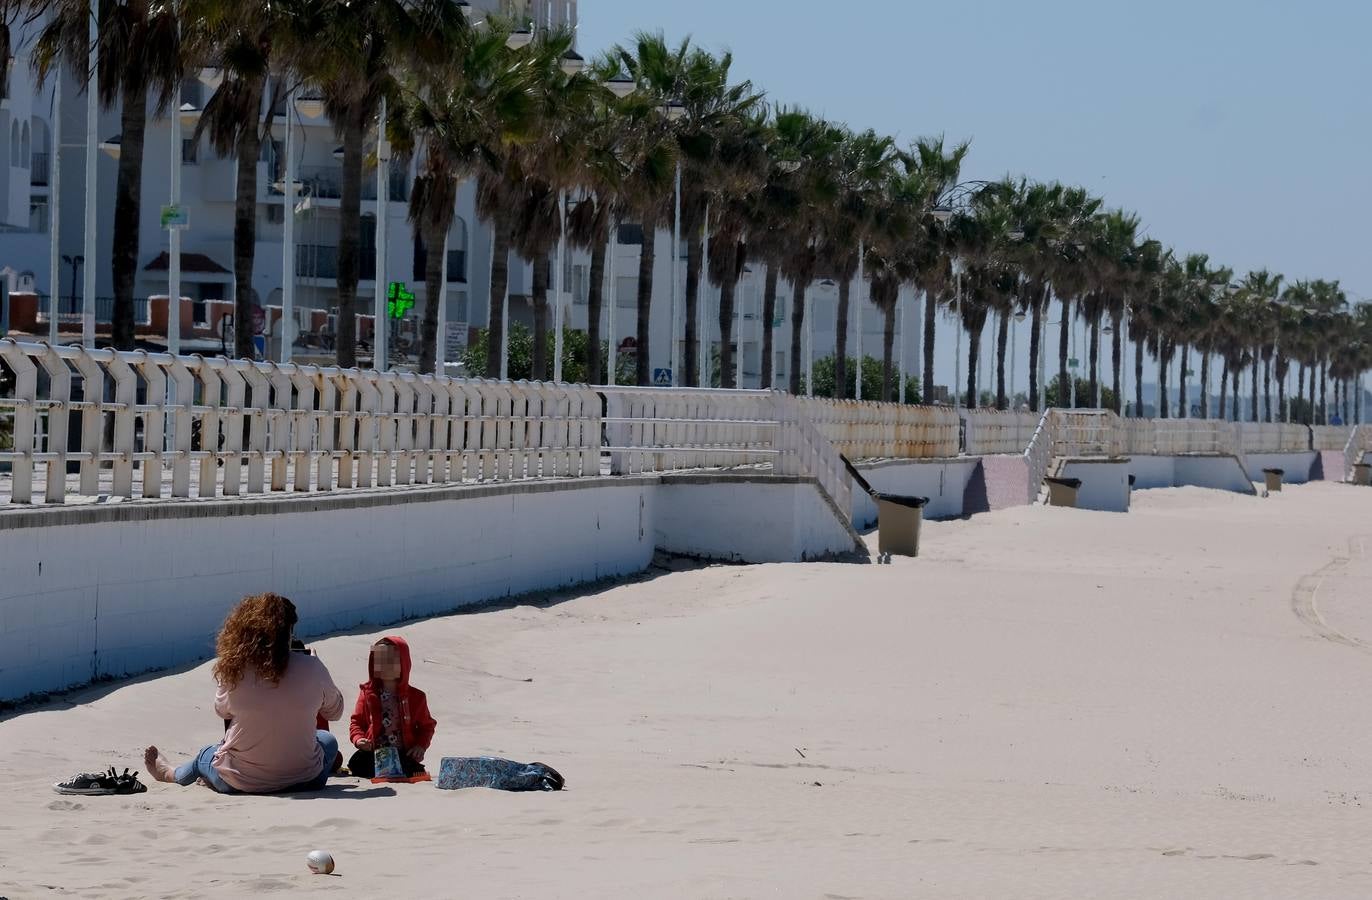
[320,862]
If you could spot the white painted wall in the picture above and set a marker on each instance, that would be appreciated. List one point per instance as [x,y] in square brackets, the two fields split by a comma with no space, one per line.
[943,481]
[107,592]
[1104,485]
[1297,466]
[759,521]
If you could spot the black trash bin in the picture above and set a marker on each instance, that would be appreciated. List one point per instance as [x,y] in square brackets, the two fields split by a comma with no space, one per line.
[1132,479]
[1063,491]
[1272,480]
[898,521]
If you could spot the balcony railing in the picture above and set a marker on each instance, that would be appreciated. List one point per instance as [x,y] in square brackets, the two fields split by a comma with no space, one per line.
[38,169]
[321,261]
[69,309]
[326,183]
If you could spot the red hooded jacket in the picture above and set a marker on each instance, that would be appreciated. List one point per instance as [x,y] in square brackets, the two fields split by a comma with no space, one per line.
[416,725]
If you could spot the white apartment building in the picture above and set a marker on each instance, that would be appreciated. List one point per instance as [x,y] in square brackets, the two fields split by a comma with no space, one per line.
[27,200]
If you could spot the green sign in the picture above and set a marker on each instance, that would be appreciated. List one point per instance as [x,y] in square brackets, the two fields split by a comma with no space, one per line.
[398,300]
[175,217]
[1072,363]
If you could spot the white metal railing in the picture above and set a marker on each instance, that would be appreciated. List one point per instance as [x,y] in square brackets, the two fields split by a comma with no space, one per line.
[1176,437]
[663,430]
[1359,442]
[872,430]
[1330,437]
[1271,437]
[1088,432]
[989,431]
[1038,455]
[154,424]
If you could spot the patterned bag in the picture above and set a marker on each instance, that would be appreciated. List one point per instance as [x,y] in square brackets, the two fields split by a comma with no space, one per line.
[501,774]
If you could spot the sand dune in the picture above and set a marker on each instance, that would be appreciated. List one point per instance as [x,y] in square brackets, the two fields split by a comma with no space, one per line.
[1048,703]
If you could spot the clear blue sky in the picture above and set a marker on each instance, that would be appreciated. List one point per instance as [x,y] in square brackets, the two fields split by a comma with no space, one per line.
[1238,128]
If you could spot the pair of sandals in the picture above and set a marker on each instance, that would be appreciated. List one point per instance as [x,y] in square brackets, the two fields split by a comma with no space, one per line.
[91,784]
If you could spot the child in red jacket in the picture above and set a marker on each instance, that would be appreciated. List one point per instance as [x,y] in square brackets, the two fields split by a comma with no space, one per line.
[390,712]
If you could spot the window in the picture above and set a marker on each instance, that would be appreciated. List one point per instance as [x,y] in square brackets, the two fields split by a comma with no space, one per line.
[630,234]
[580,285]
[457,307]
[276,215]
[190,152]
[38,214]
[626,292]
[779,369]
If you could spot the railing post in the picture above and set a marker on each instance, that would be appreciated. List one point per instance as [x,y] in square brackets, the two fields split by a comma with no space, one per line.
[257,425]
[210,394]
[279,435]
[345,388]
[303,422]
[25,418]
[183,384]
[235,399]
[126,396]
[326,425]
[92,420]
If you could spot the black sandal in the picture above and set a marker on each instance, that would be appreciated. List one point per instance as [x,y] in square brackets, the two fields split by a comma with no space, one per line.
[92,785]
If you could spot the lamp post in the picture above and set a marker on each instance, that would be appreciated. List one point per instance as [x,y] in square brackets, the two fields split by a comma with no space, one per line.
[674,110]
[857,327]
[557,284]
[54,214]
[92,148]
[383,204]
[1106,330]
[900,305]
[611,303]
[1014,352]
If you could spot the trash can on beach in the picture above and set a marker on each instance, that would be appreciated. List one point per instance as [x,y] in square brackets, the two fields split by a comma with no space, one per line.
[1272,480]
[898,520]
[1362,473]
[1063,491]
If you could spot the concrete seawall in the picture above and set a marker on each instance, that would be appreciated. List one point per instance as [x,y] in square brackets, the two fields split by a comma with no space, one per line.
[107,590]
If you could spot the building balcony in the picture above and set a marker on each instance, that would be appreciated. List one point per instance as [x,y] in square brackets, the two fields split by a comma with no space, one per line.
[321,261]
[326,183]
[38,170]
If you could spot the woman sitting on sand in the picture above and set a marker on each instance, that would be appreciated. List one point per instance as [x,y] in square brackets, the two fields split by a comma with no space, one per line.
[272,696]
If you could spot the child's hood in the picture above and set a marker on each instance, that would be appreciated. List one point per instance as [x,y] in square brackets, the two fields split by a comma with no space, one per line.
[403,649]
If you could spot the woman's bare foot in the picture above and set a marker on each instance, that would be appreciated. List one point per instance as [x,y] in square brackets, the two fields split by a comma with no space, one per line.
[158,767]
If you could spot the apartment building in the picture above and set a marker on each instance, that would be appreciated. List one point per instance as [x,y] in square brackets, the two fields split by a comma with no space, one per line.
[27,202]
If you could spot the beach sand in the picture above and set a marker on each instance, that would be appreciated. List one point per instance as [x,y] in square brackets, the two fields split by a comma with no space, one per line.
[1048,703]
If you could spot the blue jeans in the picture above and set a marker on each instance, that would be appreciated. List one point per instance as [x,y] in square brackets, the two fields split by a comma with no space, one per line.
[202,766]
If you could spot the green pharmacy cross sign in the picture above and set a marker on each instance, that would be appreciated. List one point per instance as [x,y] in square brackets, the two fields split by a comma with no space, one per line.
[398,300]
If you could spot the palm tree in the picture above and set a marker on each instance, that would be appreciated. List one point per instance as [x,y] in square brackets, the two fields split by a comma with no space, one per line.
[140,53]
[803,182]
[1259,290]
[371,42]
[460,118]
[864,163]
[245,42]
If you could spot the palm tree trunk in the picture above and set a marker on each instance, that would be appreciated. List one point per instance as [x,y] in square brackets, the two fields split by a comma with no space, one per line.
[797,332]
[433,232]
[1314,420]
[1183,407]
[1324,383]
[245,228]
[643,372]
[769,312]
[1281,367]
[1300,391]
[1138,378]
[1093,350]
[690,366]
[930,322]
[500,278]
[539,298]
[1204,385]
[595,299]
[1224,388]
[1002,339]
[349,233]
[128,194]
[1267,389]
[1253,416]
[1064,387]
[1116,358]
[1035,324]
[1164,357]
[727,291]
[973,358]
[841,390]
[888,343]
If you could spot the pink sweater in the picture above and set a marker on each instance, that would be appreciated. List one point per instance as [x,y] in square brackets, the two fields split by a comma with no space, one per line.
[271,744]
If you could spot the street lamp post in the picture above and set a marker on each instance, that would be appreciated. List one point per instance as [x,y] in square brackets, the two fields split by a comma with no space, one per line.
[900,305]
[92,148]
[557,284]
[857,315]
[674,354]
[383,171]
[611,303]
[54,214]
[1014,353]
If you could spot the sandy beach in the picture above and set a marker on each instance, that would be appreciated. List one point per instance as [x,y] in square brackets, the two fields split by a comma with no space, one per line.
[1047,703]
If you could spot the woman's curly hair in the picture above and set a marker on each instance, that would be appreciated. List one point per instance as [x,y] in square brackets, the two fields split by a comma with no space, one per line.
[257,636]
